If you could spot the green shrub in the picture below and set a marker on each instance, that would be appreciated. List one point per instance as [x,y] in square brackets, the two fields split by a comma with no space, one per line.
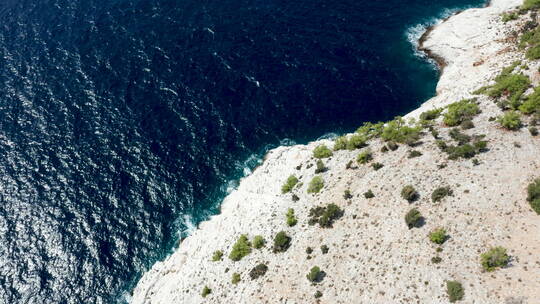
[461,138]
[414,153]
[291,219]
[240,249]
[206,291]
[325,216]
[440,193]
[218,254]
[496,257]
[431,114]
[413,218]
[510,120]
[309,250]
[399,131]
[356,141]
[533,53]
[289,184]
[324,249]
[530,4]
[512,85]
[459,111]
[370,130]
[409,193]
[322,151]
[235,278]
[347,194]
[467,124]
[438,236]
[455,291]
[533,195]
[532,103]
[320,167]
[281,242]
[318,294]
[315,185]
[369,194]
[258,271]
[392,146]
[505,17]
[314,274]
[364,157]
[377,166]
[341,143]
[295,198]
[258,242]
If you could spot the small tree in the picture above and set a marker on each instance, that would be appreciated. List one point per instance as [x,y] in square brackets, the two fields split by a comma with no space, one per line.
[409,193]
[510,120]
[240,249]
[495,258]
[440,193]
[322,151]
[314,274]
[455,291]
[413,218]
[438,236]
[289,184]
[282,242]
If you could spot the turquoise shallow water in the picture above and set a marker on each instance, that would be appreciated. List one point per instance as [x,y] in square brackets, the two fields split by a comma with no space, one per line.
[124,123]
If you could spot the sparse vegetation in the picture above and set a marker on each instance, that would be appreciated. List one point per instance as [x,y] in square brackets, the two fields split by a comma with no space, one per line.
[235,278]
[460,111]
[240,249]
[289,184]
[258,242]
[409,193]
[438,236]
[455,291]
[315,185]
[218,254]
[322,151]
[533,195]
[258,271]
[413,218]
[314,274]
[440,193]
[206,291]
[510,120]
[495,258]
[291,218]
[364,157]
[281,242]
[325,216]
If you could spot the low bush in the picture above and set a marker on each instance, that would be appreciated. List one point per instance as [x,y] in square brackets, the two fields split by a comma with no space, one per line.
[369,194]
[392,146]
[510,120]
[318,294]
[460,138]
[455,291]
[320,167]
[505,17]
[533,53]
[289,184]
[399,131]
[282,242]
[467,124]
[324,249]
[509,85]
[322,151]
[356,141]
[309,250]
[341,143]
[258,271]
[235,278]
[533,195]
[532,103]
[370,130]
[291,219]
[438,236]
[460,111]
[258,242]
[295,198]
[530,4]
[533,131]
[347,194]
[315,185]
[364,157]
[377,166]
[325,216]
[414,153]
[413,218]
[240,249]
[314,274]
[218,254]
[495,258]
[206,291]
[436,259]
[409,193]
[431,114]
[440,193]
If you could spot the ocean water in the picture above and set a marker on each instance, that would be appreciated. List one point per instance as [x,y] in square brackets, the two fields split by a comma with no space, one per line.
[124,123]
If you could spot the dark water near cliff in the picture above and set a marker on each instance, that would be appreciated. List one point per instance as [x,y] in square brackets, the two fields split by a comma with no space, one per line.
[123,122]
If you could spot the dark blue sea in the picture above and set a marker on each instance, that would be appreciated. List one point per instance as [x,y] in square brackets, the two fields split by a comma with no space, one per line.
[124,123]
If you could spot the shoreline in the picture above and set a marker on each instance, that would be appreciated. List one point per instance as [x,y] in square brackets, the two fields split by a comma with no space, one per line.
[250,208]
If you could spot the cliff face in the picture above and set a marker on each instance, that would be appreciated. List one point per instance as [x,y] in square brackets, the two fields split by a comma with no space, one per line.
[373,257]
